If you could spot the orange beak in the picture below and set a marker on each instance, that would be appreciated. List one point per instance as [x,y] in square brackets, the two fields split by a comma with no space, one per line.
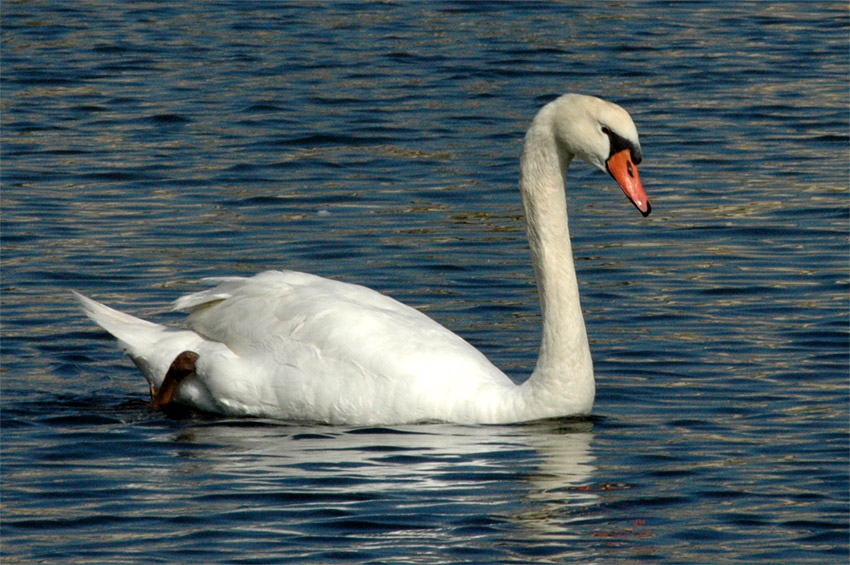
[625,172]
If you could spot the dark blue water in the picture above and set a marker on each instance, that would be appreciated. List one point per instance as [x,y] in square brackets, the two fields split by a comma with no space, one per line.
[148,145]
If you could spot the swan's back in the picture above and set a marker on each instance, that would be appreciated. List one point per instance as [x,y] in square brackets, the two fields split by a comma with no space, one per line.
[325,349]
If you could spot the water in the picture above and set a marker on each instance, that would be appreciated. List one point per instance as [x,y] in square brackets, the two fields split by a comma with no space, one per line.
[147,145]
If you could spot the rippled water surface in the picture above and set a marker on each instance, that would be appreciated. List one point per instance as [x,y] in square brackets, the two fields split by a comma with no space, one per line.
[148,145]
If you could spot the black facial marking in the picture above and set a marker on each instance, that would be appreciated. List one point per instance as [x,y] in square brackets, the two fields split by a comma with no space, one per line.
[618,143]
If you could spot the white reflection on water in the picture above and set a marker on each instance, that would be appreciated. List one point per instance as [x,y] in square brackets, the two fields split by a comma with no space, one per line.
[418,482]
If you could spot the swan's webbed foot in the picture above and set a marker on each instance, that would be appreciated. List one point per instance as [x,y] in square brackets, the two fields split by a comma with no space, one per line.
[182,367]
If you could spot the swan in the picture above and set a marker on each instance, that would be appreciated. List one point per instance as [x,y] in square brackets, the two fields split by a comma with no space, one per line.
[294,346]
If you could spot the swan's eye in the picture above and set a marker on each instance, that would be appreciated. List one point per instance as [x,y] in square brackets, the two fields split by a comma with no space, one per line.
[605,130]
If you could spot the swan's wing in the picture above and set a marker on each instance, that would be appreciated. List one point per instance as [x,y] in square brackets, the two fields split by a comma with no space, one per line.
[316,349]
[307,322]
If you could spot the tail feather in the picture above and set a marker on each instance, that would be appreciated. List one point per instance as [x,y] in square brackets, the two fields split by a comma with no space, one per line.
[152,347]
[134,333]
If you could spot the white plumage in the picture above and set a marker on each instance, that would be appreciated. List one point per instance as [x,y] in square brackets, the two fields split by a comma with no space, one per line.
[295,346]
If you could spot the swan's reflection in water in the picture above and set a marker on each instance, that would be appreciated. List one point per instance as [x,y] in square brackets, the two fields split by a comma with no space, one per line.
[441,488]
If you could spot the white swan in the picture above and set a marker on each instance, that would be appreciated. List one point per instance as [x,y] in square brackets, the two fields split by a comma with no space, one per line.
[294,346]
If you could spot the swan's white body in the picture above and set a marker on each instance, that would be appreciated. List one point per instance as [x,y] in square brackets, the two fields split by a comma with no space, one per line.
[294,346]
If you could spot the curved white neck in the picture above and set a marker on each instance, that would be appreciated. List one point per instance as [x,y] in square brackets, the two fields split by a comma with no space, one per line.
[562,381]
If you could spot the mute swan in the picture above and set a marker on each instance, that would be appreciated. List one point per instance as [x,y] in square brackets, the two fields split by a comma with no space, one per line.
[294,346]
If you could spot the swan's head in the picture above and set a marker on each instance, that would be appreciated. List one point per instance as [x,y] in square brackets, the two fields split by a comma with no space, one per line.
[603,135]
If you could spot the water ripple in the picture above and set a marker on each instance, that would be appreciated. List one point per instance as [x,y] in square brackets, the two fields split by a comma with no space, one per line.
[146,146]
